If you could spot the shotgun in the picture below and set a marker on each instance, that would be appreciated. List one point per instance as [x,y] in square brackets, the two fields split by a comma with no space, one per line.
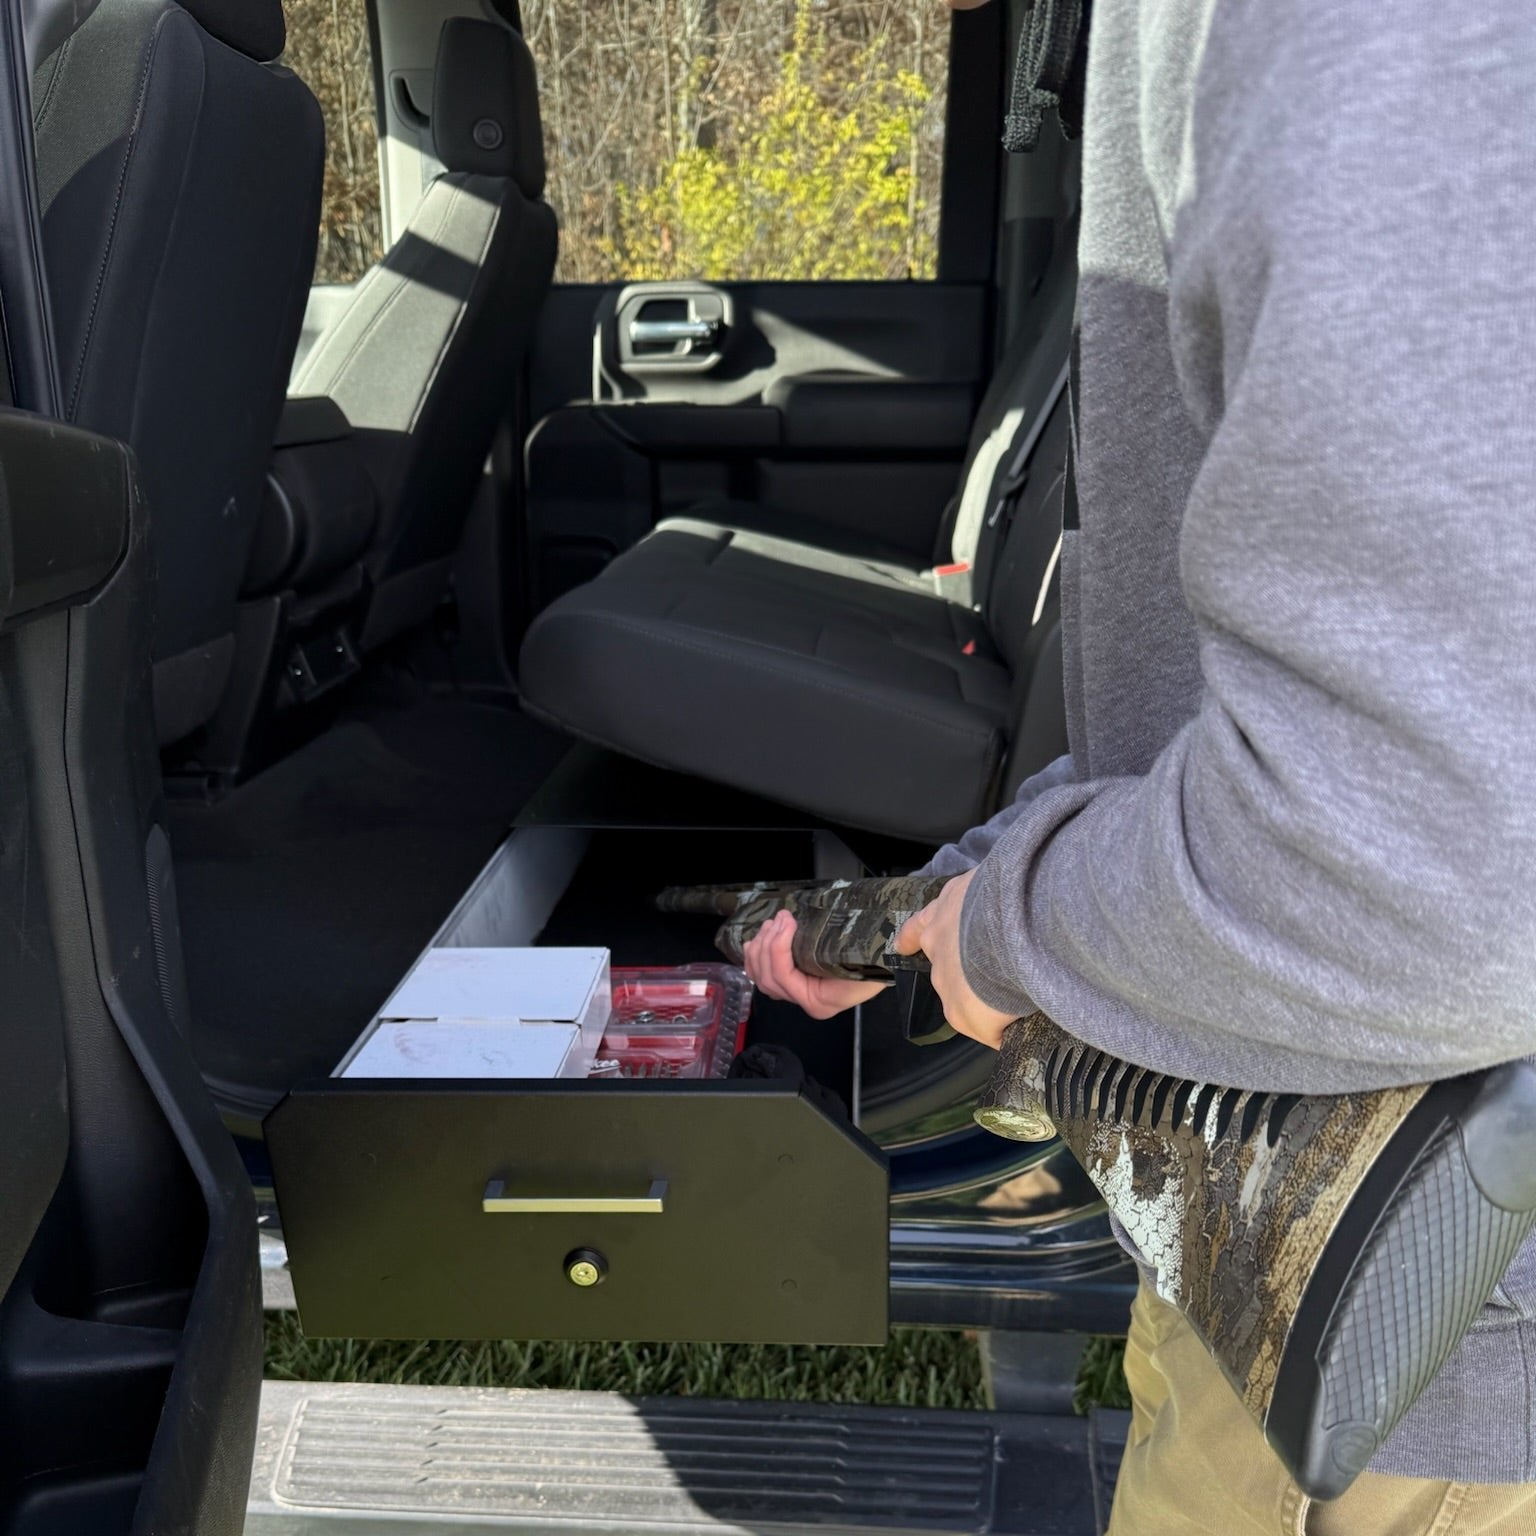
[1330,1250]
[843,928]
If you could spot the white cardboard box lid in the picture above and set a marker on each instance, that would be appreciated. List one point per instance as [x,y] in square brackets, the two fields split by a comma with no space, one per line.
[529,984]
[425,1048]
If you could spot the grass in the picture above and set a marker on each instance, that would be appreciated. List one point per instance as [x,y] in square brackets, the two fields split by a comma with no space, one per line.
[1101,1376]
[919,1368]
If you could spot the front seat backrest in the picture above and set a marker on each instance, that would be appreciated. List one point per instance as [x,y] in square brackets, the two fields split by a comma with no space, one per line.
[425,359]
[179,174]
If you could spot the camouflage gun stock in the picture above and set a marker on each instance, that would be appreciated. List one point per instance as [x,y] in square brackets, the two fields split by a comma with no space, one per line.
[1331,1251]
[843,928]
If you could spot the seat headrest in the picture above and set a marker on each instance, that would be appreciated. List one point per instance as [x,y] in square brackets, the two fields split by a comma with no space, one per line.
[253,27]
[485,104]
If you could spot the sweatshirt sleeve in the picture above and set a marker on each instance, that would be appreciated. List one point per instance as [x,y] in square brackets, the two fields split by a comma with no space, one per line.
[1327,879]
[968,851]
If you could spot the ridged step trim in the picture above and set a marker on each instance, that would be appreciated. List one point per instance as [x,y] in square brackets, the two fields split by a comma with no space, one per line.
[402,1460]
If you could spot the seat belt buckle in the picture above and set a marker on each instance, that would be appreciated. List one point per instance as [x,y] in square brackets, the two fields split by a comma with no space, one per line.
[952,582]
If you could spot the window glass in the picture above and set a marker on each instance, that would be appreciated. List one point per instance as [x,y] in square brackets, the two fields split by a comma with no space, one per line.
[743,139]
[328,49]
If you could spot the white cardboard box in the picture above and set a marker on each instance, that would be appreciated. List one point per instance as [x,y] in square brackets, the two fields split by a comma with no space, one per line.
[491,1013]
[423,1048]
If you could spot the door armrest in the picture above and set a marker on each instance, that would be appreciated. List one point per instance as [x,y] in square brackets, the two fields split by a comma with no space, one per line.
[860,412]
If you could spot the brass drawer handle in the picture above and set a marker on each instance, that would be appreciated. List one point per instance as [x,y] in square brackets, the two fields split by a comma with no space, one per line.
[497,1202]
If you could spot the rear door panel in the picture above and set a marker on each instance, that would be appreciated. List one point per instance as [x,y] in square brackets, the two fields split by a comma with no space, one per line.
[838,410]
[130,1340]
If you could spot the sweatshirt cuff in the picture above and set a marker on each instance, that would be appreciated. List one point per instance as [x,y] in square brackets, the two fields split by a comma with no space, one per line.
[984,943]
[994,922]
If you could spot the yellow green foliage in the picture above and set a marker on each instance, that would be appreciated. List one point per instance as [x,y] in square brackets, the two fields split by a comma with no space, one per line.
[811,181]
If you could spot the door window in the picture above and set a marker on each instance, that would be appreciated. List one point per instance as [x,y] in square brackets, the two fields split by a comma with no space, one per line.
[328,48]
[743,139]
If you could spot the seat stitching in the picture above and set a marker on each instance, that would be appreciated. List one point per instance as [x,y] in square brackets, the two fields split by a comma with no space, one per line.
[117,207]
[639,627]
[46,104]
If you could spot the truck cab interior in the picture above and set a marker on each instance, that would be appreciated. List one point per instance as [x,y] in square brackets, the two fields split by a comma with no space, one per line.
[470,594]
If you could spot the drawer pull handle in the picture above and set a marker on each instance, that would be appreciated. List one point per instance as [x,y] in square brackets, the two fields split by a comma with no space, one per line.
[497,1202]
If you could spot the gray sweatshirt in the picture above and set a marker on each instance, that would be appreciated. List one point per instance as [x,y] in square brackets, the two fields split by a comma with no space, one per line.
[1295,845]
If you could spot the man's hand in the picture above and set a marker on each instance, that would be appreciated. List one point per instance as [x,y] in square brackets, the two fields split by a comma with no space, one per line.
[770,962]
[935,931]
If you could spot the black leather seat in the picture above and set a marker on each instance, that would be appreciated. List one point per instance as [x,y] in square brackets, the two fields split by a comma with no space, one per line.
[179,174]
[426,358]
[864,690]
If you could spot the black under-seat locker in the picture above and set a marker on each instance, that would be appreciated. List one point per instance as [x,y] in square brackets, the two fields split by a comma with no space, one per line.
[726,1211]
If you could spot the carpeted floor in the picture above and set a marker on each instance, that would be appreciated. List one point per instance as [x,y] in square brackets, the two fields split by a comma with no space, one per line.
[307,892]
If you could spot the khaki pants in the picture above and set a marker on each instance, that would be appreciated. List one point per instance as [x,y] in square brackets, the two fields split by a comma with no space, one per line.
[1196,1464]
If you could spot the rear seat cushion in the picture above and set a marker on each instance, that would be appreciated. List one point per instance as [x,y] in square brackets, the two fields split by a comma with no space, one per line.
[829,681]
[839,679]
[785,523]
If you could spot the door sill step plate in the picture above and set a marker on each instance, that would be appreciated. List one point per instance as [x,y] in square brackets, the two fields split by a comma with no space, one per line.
[344,1460]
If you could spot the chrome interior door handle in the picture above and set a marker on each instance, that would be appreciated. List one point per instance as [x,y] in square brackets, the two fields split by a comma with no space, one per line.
[650,333]
[497,1202]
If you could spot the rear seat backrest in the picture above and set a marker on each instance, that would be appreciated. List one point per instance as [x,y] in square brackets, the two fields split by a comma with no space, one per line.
[1029,377]
[1023,610]
[425,359]
[179,177]
[870,692]
[1007,525]
[1023,567]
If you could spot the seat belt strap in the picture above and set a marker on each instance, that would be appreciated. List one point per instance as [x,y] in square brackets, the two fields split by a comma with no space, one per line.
[1017,477]
[1069,513]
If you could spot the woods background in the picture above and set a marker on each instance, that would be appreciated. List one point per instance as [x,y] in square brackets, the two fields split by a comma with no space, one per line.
[727,139]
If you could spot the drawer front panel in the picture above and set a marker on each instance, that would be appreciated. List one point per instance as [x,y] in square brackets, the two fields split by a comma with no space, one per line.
[726,1211]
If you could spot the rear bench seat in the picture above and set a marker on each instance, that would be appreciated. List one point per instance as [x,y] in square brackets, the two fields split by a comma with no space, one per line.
[863,690]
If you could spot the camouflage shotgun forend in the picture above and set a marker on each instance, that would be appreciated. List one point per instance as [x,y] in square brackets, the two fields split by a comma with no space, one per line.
[843,928]
[1331,1251]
